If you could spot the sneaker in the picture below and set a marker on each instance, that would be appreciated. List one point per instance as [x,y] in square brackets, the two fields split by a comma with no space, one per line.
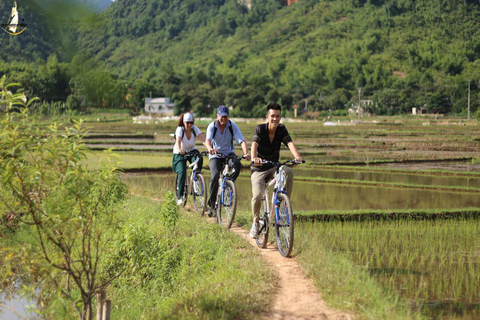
[179,201]
[254,230]
[210,212]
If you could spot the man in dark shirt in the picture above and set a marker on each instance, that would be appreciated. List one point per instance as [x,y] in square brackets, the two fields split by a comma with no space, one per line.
[266,143]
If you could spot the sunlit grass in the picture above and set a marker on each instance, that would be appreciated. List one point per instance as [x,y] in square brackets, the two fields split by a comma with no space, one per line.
[133,160]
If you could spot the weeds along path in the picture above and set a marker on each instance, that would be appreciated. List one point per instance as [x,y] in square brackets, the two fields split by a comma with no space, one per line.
[296,297]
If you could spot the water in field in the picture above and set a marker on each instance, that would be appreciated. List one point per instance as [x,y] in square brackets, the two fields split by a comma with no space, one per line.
[393,177]
[328,196]
[434,265]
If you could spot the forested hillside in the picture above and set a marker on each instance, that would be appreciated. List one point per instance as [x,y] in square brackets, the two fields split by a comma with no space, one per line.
[202,53]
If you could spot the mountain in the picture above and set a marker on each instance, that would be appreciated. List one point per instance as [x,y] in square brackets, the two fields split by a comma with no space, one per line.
[400,53]
[397,54]
[71,7]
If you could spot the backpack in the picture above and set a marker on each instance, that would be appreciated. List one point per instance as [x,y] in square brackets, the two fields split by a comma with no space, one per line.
[229,127]
[183,133]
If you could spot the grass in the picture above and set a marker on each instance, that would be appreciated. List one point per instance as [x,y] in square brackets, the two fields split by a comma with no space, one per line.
[215,275]
[134,160]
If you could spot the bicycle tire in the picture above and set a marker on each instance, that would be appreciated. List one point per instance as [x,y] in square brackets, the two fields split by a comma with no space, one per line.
[263,229]
[199,190]
[284,227]
[228,205]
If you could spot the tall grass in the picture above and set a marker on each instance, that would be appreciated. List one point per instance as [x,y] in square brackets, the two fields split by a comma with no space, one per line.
[196,271]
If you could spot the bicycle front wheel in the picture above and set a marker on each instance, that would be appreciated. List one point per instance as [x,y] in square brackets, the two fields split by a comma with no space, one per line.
[199,190]
[262,238]
[284,225]
[228,205]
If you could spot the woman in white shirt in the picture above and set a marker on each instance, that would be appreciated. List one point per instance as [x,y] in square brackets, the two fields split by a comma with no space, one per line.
[185,138]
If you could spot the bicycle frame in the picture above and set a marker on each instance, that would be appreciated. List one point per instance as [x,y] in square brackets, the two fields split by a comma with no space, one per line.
[226,174]
[278,188]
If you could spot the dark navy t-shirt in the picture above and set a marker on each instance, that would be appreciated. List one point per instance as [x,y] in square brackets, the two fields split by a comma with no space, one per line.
[269,150]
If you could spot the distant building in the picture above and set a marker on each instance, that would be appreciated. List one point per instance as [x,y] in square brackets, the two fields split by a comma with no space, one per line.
[288,2]
[159,106]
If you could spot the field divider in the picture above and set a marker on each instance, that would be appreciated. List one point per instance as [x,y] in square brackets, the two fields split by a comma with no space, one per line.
[388,215]
[390,184]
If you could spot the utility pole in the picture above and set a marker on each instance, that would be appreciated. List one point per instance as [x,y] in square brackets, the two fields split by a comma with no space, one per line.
[468,103]
[359,92]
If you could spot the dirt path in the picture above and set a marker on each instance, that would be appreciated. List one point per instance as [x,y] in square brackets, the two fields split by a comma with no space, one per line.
[296,297]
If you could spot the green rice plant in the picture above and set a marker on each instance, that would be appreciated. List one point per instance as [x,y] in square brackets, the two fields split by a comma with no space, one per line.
[429,263]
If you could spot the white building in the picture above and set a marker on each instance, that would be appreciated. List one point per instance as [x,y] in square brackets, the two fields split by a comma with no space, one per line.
[160,106]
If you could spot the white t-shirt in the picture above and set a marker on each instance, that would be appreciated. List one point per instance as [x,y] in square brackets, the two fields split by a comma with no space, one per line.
[186,144]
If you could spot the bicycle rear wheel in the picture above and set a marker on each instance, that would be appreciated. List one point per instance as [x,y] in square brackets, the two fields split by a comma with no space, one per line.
[227,206]
[284,225]
[199,190]
[262,238]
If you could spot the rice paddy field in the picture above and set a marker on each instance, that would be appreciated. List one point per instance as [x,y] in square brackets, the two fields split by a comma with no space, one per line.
[396,197]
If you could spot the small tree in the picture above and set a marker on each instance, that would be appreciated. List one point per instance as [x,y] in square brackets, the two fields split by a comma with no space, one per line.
[46,185]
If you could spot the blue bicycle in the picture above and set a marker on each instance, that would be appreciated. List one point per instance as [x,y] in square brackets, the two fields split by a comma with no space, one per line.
[284,221]
[226,202]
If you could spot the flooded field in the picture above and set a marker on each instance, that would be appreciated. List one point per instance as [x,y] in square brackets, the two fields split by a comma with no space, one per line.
[392,176]
[309,196]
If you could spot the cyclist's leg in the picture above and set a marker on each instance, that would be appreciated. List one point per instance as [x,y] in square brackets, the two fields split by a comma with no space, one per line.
[236,164]
[289,176]
[180,168]
[200,161]
[215,165]
[258,188]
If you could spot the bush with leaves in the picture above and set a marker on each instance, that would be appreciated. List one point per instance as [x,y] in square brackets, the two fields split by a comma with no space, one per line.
[66,208]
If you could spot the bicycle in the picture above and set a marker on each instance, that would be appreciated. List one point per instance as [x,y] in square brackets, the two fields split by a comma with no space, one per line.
[227,194]
[284,217]
[194,185]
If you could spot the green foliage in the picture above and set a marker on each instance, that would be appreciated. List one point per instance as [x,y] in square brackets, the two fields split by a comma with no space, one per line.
[169,211]
[200,271]
[202,54]
[45,184]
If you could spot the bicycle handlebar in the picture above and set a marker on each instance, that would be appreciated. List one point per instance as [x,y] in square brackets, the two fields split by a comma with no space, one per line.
[288,162]
[221,155]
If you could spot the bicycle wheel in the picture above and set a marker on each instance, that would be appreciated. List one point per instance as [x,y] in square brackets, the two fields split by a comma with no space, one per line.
[199,190]
[284,226]
[228,206]
[262,238]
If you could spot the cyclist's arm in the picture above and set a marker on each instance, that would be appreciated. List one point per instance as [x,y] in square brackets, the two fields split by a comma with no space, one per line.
[209,137]
[294,151]
[178,142]
[208,144]
[254,149]
[202,139]
[245,149]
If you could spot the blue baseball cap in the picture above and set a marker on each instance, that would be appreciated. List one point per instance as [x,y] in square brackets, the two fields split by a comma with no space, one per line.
[222,111]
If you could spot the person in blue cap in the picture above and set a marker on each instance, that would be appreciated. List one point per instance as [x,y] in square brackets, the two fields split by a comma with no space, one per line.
[221,135]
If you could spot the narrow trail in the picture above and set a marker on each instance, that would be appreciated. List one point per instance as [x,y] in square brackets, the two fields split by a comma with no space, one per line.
[296,297]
